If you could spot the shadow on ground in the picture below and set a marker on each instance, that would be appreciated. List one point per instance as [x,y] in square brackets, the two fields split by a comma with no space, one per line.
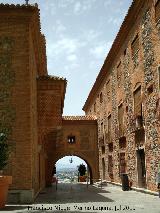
[14,208]
[72,193]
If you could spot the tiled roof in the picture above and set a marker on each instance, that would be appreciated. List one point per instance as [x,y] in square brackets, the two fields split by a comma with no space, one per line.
[18,6]
[47,77]
[79,118]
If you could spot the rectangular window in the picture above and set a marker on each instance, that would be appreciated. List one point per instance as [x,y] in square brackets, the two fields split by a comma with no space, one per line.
[101,97]
[120,119]
[122,163]
[110,166]
[135,50]
[157,10]
[119,74]
[109,129]
[108,89]
[137,102]
[95,107]
[159,78]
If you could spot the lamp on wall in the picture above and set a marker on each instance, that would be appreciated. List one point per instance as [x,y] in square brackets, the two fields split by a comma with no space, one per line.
[26,2]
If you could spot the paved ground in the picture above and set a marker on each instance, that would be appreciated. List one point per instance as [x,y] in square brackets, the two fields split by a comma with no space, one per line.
[77,198]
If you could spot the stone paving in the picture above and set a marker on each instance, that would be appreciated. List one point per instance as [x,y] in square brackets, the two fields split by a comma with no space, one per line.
[77,198]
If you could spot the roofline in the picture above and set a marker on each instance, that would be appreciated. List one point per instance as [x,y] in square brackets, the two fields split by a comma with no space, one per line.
[121,35]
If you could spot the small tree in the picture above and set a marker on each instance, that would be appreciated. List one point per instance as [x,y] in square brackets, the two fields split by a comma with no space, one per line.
[4,151]
[82,169]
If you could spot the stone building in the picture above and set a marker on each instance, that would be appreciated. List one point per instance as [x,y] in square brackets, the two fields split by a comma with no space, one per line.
[126,99]
[31,108]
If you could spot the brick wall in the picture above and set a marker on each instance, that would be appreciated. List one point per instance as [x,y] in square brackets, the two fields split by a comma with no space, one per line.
[139,67]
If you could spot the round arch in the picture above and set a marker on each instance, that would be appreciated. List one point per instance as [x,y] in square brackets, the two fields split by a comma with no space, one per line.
[77,155]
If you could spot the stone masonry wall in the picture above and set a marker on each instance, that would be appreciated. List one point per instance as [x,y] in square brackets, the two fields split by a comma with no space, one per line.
[140,70]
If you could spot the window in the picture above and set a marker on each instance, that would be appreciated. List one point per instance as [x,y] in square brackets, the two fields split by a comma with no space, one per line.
[157,10]
[109,129]
[102,128]
[110,147]
[95,107]
[135,50]
[137,102]
[120,119]
[101,97]
[110,166]
[108,89]
[159,78]
[71,139]
[103,149]
[119,74]
[122,163]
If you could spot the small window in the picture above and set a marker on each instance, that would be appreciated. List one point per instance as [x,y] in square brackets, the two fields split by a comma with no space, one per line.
[157,11]
[135,50]
[71,139]
[110,147]
[101,97]
[122,163]
[103,149]
[137,102]
[125,52]
[150,89]
[119,74]
[94,107]
[159,78]
[108,89]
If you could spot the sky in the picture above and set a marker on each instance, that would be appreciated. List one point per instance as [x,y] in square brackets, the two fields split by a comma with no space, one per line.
[65,162]
[79,34]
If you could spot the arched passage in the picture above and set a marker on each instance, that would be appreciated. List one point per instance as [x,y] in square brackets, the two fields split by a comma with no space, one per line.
[68,164]
[76,137]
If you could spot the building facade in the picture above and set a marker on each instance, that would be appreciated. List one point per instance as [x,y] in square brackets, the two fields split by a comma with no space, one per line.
[31,108]
[126,99]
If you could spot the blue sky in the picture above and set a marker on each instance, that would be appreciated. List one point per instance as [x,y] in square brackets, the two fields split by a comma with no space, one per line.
[79,34]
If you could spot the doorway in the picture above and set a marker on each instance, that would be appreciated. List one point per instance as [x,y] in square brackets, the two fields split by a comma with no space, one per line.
[141,168]
[103,169]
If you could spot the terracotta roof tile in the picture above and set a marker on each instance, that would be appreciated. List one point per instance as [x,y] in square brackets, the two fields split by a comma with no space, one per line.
[47,77]
[79,118]
[31,6]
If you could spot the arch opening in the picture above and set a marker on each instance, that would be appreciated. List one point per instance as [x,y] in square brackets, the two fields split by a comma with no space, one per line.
[65,169]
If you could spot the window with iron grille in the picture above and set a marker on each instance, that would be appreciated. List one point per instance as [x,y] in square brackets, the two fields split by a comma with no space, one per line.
[122,163]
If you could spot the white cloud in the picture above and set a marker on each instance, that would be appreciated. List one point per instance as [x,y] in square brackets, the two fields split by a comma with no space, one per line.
[101,50]
[115,21]
[72,58]
[77,7]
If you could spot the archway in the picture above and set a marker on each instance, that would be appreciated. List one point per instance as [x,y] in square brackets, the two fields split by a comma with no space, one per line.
[73,161]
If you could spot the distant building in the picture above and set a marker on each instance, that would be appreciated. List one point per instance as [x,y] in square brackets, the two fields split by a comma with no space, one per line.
[126,99]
